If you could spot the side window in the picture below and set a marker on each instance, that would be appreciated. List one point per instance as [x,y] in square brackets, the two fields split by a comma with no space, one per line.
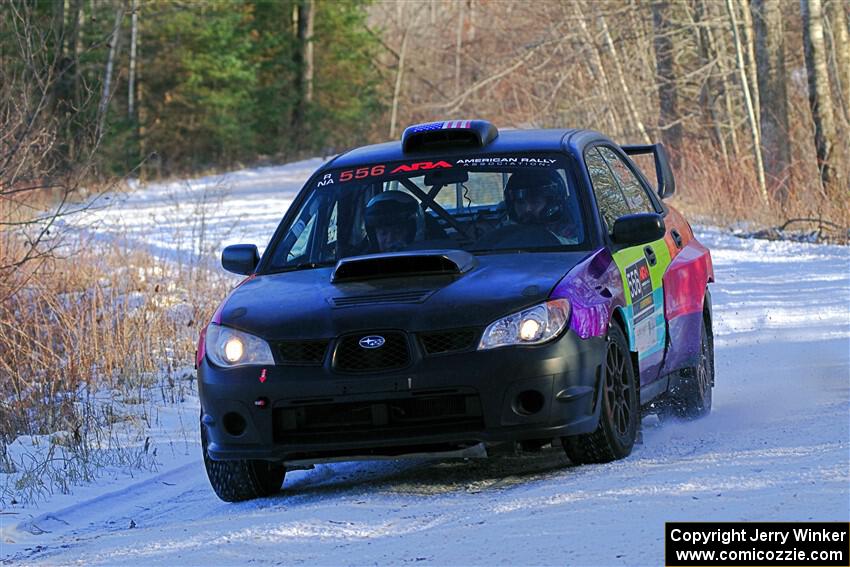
[612,204]
[632,189]
[302,232]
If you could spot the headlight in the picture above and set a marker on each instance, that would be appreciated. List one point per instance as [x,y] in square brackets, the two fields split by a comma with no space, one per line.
[229,348]
[532,326]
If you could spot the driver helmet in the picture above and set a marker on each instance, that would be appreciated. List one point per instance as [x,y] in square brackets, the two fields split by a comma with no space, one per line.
[536,196]
[394,220]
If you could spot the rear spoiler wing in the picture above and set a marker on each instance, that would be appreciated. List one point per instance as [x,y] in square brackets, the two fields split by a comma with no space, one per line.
[663,171]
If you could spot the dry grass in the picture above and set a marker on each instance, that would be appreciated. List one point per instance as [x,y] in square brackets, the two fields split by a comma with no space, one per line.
[91,341]
[709,193]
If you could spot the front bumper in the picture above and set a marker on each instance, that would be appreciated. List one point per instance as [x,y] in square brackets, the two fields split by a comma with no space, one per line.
[439,403]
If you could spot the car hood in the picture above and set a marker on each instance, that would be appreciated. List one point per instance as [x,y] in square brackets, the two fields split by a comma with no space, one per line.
[306,304]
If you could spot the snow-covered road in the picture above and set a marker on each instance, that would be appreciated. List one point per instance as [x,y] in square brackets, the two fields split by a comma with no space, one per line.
[776,447]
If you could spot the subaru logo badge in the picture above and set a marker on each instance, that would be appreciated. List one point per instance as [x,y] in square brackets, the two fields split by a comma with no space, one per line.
[372,341]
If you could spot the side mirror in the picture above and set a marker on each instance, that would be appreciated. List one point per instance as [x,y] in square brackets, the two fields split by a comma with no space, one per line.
[240,258]
[632,230]
[663,171]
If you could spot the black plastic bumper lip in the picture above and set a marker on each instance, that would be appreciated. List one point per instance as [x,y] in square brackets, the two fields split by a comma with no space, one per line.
[441,403]
[411,446]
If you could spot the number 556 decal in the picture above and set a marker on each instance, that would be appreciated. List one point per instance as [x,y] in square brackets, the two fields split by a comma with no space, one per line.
[362,173]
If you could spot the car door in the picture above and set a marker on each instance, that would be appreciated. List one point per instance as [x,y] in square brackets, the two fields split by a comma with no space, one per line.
[619,192]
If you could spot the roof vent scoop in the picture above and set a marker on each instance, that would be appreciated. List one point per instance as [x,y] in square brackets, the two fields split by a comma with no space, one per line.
[448,134]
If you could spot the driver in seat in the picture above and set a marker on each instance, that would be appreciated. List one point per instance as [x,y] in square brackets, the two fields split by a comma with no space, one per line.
[394,220]
[539,197]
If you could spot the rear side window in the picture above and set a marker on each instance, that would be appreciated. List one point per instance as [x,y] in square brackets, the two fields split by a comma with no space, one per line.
[610,199]
[633,191]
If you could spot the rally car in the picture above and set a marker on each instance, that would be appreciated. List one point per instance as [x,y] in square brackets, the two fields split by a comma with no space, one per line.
[461,289]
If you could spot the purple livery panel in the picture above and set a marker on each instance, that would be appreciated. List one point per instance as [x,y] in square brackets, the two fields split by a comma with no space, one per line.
[594,288]
[684,294]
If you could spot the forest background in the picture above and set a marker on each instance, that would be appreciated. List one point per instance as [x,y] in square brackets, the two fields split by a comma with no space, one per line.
[752,97]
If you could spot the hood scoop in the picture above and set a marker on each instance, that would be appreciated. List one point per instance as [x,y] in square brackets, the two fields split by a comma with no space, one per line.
[403,264]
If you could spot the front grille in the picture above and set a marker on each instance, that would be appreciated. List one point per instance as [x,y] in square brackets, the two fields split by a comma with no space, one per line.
[381,418]
[392,355]
[302,352]
[443,342]
[415,296]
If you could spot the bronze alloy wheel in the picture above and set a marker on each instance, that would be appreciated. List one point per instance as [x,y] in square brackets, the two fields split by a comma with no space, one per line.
[619,415]
[621,402]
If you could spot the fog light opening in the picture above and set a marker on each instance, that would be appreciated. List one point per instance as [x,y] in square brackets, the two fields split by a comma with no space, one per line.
[529,402]
[234,424]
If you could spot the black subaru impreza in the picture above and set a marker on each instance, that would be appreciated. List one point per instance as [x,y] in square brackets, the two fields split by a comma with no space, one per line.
[462,290]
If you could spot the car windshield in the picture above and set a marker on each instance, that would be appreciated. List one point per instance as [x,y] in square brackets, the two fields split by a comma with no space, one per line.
[520,202]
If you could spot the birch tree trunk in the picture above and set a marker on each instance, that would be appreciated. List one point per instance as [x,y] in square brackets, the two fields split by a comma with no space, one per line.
[820,100]
[710,89]
[748,101]
[303,57]
[750,53]
[399,77]
[668,115]
[74,48]
[309,17]
[458,46]
[770,65]
[103,107]
[841,49]
[131,80]
[471,35]
[719,49]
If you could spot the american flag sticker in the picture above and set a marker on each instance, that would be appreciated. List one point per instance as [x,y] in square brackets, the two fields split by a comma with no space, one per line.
[451,124]
[427,127]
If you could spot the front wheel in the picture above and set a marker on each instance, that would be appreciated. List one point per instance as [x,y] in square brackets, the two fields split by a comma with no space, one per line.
[618,421]
[235,481]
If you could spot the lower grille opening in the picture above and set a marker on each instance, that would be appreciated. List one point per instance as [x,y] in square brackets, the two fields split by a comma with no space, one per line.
[378,419]
[302,353]
[451,341]
[392,451]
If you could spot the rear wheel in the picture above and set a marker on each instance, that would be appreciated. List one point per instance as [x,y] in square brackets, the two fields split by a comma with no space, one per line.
[618,421]
[691,399]
[234,481]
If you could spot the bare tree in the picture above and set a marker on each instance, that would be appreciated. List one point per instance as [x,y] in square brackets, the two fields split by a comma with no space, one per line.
[770,58]
[750,56]
[459,44]
[131,81]
[748,101]
[106,95]
[303,15]
[820,100]
[624,83]
[309,17]
[840,36]
[399,76]
[710,88]
[35,183]
[668,116]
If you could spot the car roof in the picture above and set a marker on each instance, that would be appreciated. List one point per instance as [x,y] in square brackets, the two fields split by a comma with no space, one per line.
[542,140]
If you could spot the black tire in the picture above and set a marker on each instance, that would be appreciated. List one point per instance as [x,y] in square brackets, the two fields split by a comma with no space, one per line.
[620,413]
[691,398]
[235,481]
